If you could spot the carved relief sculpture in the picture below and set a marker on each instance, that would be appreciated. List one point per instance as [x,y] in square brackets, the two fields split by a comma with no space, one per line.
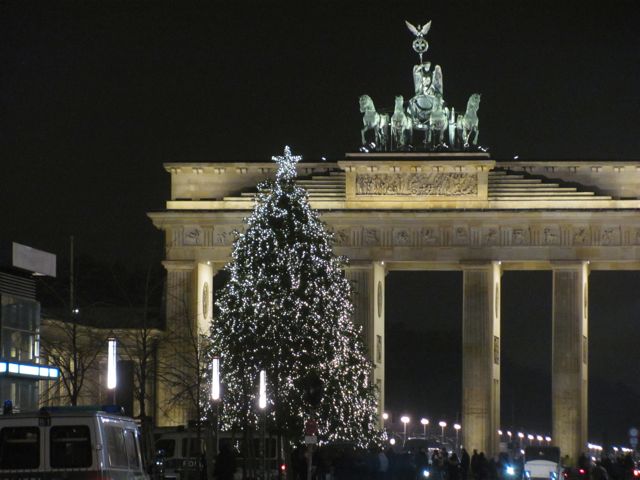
[417,184]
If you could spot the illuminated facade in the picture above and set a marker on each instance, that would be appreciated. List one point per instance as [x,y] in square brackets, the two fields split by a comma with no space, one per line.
[20,367]
[430,211]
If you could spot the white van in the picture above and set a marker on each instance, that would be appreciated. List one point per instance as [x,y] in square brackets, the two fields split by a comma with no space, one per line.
[541,463]
[69,443]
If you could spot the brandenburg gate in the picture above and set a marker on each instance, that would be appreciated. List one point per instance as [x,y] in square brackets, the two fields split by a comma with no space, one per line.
[436,201]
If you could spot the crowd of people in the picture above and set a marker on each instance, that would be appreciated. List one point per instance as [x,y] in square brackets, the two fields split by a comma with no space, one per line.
[347,463]
[439,464]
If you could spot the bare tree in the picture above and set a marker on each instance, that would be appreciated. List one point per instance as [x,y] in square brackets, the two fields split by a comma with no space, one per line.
[75,350]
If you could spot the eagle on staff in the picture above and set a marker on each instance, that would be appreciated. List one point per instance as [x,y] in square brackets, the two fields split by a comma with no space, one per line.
[420,45]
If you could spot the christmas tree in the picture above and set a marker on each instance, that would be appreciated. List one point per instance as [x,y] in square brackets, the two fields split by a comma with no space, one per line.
[286,309]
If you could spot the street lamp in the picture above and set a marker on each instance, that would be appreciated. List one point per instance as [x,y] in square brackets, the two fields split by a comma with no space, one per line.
[385,417]
[262,404]
[521,437]
[530,437]
[112,376]
[405,419]
[539,438]
[457,428]
[548,440]
[215,397]
[424,422]
[442,424]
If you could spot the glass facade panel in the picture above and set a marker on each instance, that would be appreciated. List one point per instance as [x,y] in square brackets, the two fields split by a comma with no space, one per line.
[20,322]
[19,331]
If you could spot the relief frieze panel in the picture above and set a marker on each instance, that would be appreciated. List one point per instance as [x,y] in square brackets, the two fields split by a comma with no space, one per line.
[401,237]
[192,235]
[551,235]
[462,235]
[490,236]
[417,184]
[370,237]
[430,236]
[581,235]
[610,235]
[342,237]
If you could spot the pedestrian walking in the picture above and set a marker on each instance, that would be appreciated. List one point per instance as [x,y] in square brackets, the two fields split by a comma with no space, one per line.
[453,467]
[225,466]
[465,462]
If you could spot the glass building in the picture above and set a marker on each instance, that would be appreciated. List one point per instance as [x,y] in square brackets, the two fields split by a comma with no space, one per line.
[20,368]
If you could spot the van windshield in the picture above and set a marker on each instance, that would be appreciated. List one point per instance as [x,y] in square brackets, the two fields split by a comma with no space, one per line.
[19,448]
[70,446]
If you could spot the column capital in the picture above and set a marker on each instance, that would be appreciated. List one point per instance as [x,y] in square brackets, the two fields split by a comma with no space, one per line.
[480,264]
[569,265]
[365,264]
[174,265]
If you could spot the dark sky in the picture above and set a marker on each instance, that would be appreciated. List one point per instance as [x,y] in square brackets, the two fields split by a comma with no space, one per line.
[95,96]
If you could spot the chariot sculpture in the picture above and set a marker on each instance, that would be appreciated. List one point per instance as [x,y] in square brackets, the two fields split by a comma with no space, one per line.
[425,122]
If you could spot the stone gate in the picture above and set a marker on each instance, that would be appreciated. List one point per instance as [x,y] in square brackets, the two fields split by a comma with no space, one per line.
[431,211]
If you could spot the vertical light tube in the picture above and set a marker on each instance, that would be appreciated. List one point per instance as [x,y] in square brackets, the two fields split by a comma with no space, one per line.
[112,379]
[262,399]
[215,379]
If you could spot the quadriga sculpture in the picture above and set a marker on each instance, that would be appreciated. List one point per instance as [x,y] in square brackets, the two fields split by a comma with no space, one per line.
[401,125]
[375,121]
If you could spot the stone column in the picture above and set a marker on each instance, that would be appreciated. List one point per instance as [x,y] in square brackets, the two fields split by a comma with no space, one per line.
[180,322]
[481,356]
[368,283]
[570,356]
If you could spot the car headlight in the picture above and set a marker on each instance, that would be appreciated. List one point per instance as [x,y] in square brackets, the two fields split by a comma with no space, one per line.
[510,470]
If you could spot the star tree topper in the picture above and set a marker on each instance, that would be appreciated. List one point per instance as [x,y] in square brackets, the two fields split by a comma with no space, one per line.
[286,165]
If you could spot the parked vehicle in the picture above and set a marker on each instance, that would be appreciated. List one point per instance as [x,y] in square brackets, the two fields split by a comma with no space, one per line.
[184,457]
[542,463]
[70,443]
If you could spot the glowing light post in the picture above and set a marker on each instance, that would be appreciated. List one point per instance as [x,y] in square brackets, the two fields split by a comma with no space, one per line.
[112,376]
[404,419]
[443,425]
[425,423]
[262,404]
[539,438]
[385,417]
[215,398]
[457,428]
[530,437]
[548,440]
[521,437]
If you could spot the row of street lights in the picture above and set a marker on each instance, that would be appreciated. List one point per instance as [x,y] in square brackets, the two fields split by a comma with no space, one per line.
[521,436]
[405,419]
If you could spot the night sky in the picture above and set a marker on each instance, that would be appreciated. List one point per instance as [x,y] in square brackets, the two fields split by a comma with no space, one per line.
[95,96]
